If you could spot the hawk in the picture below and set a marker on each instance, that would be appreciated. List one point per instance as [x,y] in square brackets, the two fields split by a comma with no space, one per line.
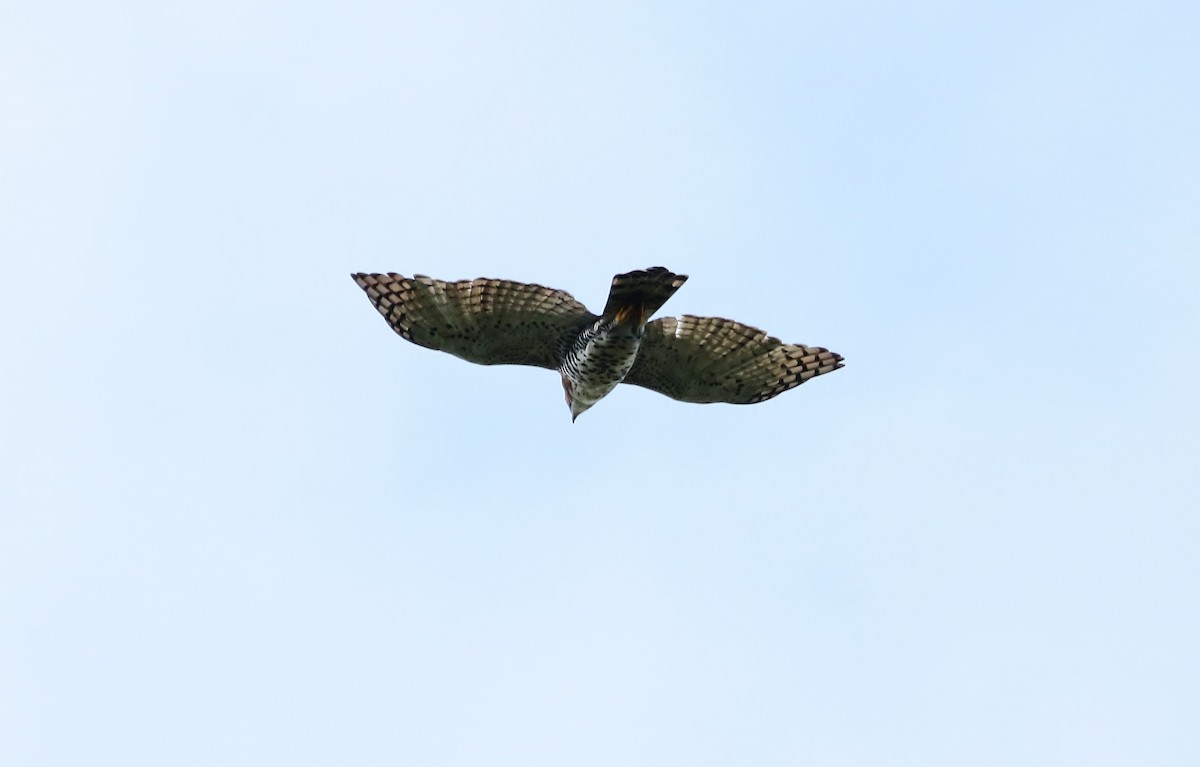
[500,322]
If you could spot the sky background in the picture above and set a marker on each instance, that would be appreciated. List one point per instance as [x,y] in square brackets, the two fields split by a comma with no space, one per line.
[243,523]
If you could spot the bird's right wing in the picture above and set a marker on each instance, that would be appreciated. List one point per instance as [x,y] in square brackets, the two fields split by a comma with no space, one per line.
[487,321]
[710,359]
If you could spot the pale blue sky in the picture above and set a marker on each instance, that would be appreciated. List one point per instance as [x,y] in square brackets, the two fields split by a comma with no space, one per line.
[242,523]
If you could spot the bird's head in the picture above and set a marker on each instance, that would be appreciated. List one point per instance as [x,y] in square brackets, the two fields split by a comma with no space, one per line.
[575,405]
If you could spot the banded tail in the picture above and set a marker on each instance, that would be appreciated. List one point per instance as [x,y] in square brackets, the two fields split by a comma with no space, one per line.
[636,296]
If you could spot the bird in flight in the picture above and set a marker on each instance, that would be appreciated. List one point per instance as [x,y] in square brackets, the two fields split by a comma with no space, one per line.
[500,322]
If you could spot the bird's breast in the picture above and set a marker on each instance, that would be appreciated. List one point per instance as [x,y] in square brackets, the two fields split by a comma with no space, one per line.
[600,359]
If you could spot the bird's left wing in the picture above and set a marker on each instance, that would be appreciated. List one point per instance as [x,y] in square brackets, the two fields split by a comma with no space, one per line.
[710,359]
[487,321]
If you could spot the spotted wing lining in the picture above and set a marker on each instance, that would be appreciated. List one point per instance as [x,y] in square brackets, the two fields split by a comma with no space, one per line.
[486,321]
[711,359]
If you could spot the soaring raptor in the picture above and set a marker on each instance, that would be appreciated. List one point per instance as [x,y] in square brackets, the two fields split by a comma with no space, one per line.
[499,322]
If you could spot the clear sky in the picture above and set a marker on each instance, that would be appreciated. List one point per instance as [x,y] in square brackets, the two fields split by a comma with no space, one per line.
[242,523]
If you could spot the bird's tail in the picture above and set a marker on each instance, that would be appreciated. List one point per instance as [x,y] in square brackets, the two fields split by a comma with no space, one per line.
[636,296]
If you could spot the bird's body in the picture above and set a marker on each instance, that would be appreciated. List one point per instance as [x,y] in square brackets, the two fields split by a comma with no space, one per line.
[603,353]
[599,359]
[693,359]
